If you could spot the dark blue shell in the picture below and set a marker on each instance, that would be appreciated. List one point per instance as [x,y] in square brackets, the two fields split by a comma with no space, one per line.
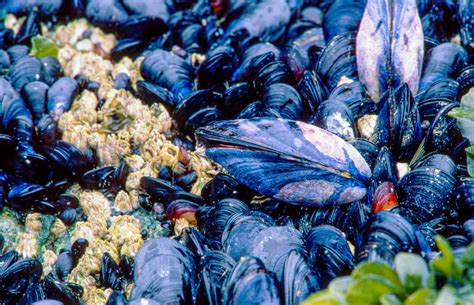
[308,165]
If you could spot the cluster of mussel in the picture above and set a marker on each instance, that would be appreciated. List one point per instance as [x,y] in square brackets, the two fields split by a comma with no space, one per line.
[283,101]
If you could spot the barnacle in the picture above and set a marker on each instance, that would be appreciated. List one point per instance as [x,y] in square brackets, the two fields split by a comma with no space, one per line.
[125,229]
[49,259]
[33,222]
[94,203]
[58,228]
[27,245]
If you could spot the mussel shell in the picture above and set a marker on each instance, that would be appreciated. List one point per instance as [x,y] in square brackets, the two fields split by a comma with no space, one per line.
[117,298]
[272,245]
[61,95]
[106,14]
[265,20]
[111,275]
[312,91]
[26,70]
[169,71]
[218,68]
[426,193]
[34,94]
[16,278]
[215,268]
[298,279]
[337,60]
[223,186]
[151,93]
[29,28]
[17,52]
[329,253]
[342,17]
[274,166]
[122,81]
[444,60]
[384,235]
[336,117]
[64,264]
[398,124]
[283,101]
[247,63]
[236,98]
[241,230]
[250,282]
[4,61]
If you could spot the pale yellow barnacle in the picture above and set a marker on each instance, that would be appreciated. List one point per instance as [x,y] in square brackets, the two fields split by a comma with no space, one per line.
[58,228]
[49,259]
[70,33]
[125,229]
[112,150]
[10,21]
[122,202]
[125,65]
[65,55]
[134,199]
[82,230]
[94,203]
[366,125]
[131,247]
[27,245]
[133,181]
[33,222]
[106,41]
[84,108]
[65,120]
[94,138]
[98,223]
[135,162]
[91,65]
[95,296]
[77,135]
[181,224]
[141,132]
[85,45]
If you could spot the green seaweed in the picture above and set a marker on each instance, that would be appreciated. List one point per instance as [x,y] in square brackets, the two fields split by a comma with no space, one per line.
[42,47]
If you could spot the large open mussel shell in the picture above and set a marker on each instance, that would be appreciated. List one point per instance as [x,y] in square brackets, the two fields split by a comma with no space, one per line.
[389,46]
[308,165]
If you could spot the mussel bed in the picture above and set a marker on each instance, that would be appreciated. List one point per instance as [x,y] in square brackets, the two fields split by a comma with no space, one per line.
[227,152]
